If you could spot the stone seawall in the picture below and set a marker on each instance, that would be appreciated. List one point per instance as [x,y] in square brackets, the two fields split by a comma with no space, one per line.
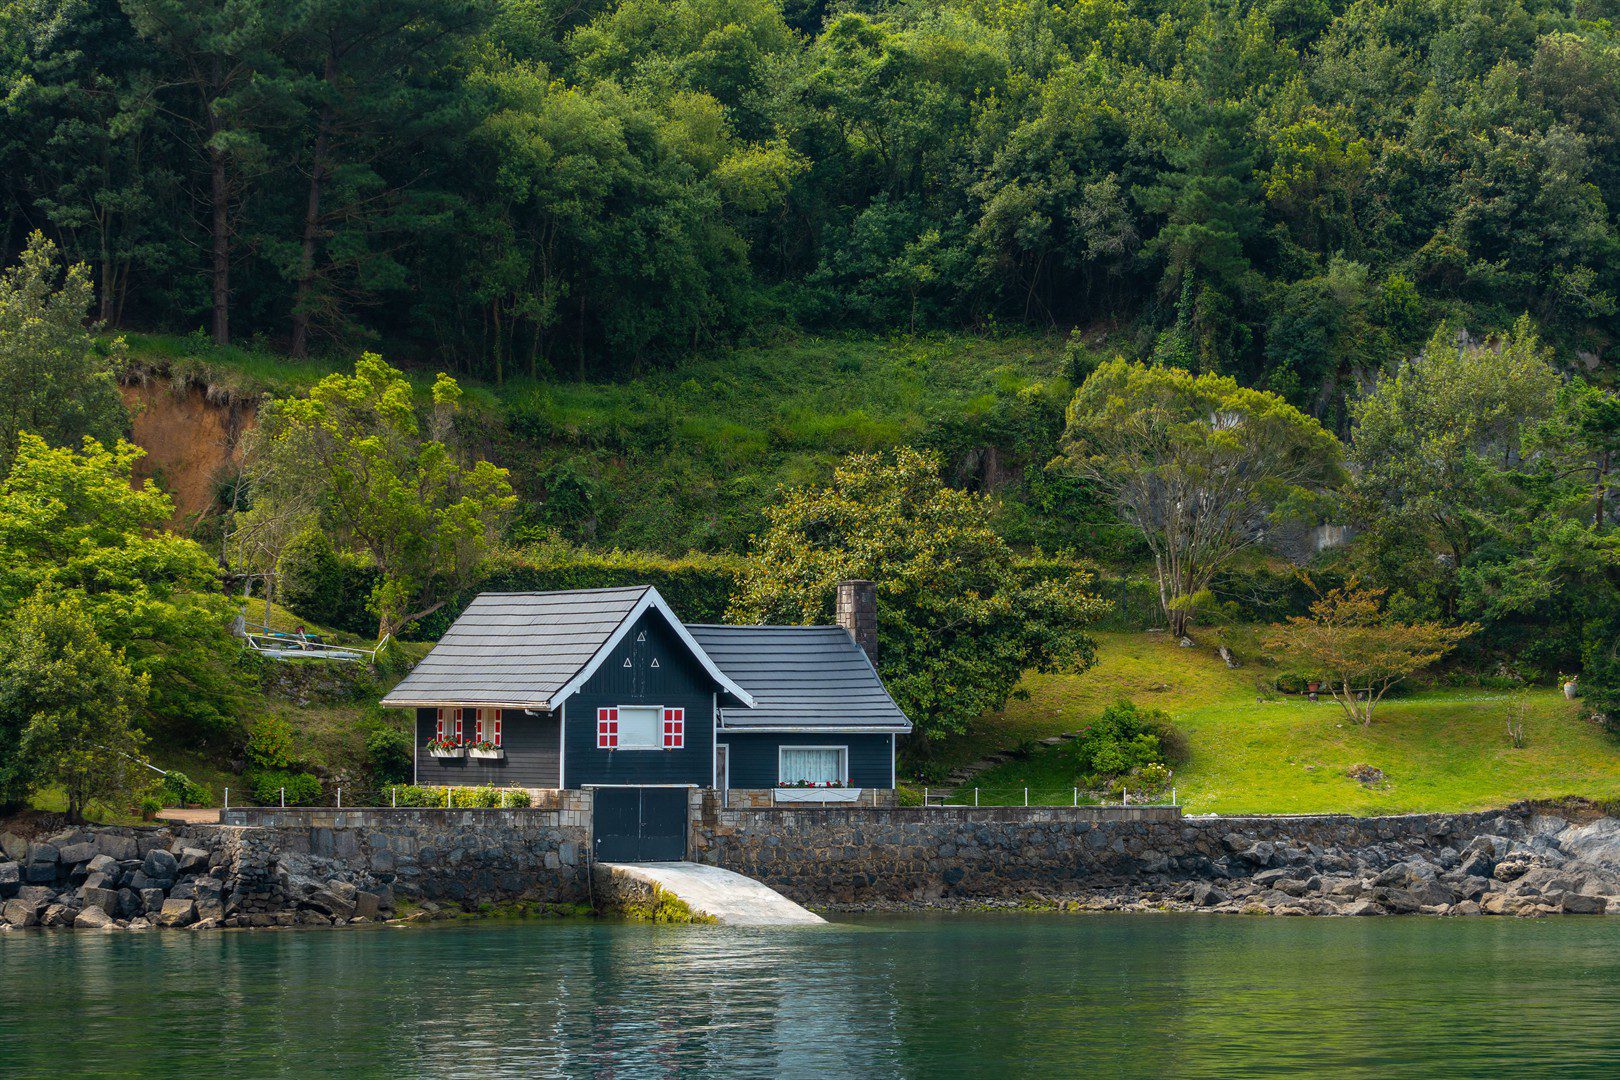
[1512,861]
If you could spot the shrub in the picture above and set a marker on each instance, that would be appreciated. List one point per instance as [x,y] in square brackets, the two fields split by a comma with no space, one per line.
[1123,738]
[177,789]
[151,805]
[518,798]
[474,798]
[265,787]
[269,745]
[908,796]
[388,754]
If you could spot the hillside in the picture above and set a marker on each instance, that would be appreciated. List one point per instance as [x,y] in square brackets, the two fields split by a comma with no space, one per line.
[1254,751]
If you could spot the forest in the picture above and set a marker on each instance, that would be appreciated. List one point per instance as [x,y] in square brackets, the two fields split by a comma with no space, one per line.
[1292,192]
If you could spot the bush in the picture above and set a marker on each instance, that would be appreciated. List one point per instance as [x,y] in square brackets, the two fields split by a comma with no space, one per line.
[412,795]
[388,754]
[177,789]
[265,787]
[474,798]
[1124,738]
[518,798]
[905,796]
[151,805]
[269,746]
[326,587]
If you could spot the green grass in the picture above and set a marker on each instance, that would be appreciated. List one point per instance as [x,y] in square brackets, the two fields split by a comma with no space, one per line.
[1440,750]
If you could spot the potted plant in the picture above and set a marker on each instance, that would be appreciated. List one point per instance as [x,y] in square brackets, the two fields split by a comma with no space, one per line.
[485,749]
[445,748]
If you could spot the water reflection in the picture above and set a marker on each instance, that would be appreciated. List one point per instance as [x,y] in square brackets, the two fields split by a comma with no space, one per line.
[933,996]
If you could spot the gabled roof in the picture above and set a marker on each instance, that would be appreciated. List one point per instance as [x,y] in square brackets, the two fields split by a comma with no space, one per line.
[802,678]
[533,650]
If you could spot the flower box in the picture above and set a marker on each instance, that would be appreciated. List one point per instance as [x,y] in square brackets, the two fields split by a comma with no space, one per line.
[494,754]
[446,751]
[817,795]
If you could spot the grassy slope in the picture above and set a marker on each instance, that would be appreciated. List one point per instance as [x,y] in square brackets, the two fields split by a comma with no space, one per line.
[1440,749]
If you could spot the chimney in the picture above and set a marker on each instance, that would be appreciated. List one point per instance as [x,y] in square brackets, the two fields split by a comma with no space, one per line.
[856,608]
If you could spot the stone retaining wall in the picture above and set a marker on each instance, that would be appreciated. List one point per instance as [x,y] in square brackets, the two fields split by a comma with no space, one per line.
[857,856]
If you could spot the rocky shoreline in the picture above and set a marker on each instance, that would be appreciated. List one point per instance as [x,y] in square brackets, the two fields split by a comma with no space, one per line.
[1521,863]
[99,878]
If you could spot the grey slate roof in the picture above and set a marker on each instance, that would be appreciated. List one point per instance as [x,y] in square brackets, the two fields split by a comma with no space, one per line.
[809,677]
[516,649]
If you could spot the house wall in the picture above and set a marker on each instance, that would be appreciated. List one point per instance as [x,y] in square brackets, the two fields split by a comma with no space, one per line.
[678,681]
[532,745]
[754,757]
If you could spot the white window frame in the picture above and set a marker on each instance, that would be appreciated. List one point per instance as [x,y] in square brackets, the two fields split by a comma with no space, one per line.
[843,760]
[657,729]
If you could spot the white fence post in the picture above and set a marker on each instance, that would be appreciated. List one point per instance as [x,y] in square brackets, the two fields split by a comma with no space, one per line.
[340,797]
[227,798]
[284,798]
[975,796]
[1076,796]
[1026,796]
[394,792]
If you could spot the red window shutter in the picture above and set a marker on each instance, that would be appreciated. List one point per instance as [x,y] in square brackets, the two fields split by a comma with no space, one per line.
[497,739]
[674,729]
[607,729]
[458,724]
[438,723]
[478,726]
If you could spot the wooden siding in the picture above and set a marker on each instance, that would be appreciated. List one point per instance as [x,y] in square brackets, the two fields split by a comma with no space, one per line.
[678,681]
[754,756]
[532,745]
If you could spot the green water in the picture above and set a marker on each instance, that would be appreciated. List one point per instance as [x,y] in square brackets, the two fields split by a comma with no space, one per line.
[1014,995]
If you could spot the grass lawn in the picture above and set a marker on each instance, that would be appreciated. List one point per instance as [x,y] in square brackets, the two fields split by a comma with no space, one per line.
[1439,749]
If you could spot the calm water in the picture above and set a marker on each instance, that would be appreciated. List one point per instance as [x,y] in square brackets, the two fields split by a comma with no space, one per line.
[1149,996]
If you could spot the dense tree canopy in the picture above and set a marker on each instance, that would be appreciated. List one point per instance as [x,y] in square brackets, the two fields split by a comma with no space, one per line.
[1288,193]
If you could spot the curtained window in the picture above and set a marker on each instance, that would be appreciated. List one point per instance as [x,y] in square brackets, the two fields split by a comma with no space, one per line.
[819,765]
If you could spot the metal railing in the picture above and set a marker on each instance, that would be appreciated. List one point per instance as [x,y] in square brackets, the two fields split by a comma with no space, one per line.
[1028,796]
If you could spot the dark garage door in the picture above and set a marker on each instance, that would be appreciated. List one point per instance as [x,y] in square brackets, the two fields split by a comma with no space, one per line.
[640,824]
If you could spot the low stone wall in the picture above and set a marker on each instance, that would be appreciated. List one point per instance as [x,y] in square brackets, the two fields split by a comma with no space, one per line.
[859,856]
[765,798]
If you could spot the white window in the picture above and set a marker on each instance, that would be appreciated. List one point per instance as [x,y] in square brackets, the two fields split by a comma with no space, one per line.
[822,766]
[641,727]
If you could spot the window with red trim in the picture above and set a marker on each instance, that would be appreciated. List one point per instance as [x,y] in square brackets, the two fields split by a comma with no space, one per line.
[488,727]
[674,729]
[607,729]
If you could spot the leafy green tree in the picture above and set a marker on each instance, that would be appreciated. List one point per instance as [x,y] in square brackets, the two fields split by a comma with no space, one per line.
[56,375]
[1436,448]
[354,454]
[1197,463]
[958,623]
[67,707]
[76,521]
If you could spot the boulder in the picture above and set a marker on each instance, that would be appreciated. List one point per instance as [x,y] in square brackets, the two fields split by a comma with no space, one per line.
[58,915]
[325,902]
[1361,907]
[129,904]
[104,864]
[105,899]
[116,846]
[45,853]
[160,864]
[367,905]
[75,854]
[101,881]
[36,894]
[1399,901]
[10,879]
[151,900]
[1578,904]
[39,873]
[1203,894]
[92,918]
[13,847]
[210,910]
[1266,878]
[186,890]
[193,860]
[20,913]
[177,912]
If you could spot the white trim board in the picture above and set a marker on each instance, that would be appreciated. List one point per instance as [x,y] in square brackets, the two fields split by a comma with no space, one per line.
[650,600]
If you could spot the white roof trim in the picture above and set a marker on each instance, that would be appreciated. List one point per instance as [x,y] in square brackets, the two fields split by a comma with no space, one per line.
[413,703]
[828,729]
[650,600]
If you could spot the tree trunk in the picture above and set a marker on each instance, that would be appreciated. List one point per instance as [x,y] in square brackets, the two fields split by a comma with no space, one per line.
[221,269]
[299,346]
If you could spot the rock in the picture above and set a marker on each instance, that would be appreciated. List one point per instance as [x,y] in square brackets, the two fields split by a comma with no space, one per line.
[92,918]
[176,912]
[1361,907]
[160,864]
[151,900]
[342,890]
[129,904]
[1399,901]
[116,846]
[101,881]
[1597,843]
[139,923]
[206,924]
[366,905]
[75,854]
[36,894]
[44,853]
[1268,877]
[325,902]
[14,847]
[1260,853]
[57,915]
[1206,895]
[186,890]
[104,864]
[1511,868]
[210,909]
[1467,907]
[20,913]
[1577,904]
[105,899]
[193,860]
[10,879]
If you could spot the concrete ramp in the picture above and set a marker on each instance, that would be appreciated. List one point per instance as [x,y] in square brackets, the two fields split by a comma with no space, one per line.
[721,895]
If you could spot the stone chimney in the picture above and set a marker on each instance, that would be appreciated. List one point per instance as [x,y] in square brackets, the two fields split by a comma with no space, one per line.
[856,608]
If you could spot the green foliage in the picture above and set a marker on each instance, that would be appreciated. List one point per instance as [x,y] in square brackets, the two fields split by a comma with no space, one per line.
[74,522]
[957,622]
[518,799]
[56,375]
[270,745]
[325,586]
[150,806]
[388,754]
[178,789]
[1122,739]
[1199,464]
[67,705]
[266,787]
[353,458]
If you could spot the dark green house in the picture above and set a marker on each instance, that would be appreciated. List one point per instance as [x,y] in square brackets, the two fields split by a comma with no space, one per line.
[608,688]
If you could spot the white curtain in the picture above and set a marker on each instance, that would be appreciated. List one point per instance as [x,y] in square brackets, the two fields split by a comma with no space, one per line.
[817,764]
[640,727]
